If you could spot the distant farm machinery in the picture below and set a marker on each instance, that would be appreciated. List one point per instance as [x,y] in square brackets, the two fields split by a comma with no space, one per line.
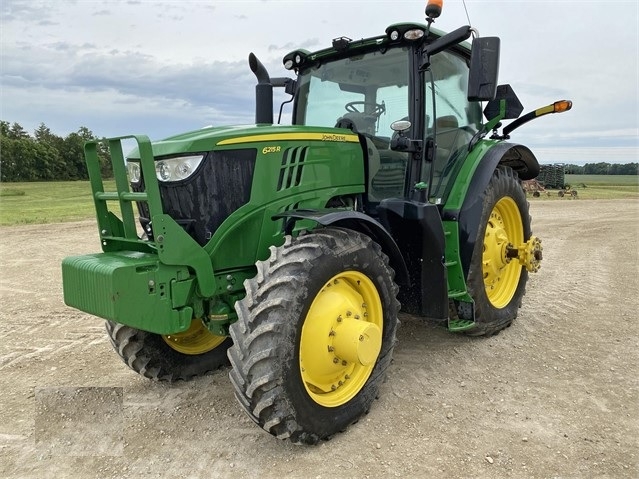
[551,177]
[534,187]
[567,191]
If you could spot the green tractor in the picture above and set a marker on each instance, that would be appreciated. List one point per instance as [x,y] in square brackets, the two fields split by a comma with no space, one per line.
[288,250]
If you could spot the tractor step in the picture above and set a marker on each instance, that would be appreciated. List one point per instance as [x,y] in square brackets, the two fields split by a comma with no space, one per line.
[459,325]
[456,294]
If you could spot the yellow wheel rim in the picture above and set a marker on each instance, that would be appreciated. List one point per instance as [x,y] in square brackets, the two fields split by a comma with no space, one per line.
[195,340]
[341,339]
[501,274]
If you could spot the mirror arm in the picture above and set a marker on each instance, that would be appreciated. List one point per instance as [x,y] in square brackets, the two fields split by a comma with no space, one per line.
[283,82]
[452,38]
[403,143]
[493,124]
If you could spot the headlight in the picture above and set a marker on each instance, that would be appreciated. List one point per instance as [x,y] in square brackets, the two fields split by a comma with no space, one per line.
[133,169]
[414,34]
[176,169]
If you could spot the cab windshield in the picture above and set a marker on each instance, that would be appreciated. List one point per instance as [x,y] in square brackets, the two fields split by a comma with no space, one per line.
[365,93]
[369,90]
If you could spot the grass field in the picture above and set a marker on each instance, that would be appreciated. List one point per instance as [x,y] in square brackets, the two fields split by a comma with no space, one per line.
[53,202]
[603,180]
[47,202]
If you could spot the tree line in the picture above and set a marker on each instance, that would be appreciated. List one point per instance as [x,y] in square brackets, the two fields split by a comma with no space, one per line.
[603,169]
[45,156]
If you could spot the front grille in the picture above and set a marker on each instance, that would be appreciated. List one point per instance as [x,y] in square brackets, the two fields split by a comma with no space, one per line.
[201,203]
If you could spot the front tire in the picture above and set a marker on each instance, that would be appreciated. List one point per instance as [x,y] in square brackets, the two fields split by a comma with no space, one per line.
[314,335]
[186,355]
[496,283]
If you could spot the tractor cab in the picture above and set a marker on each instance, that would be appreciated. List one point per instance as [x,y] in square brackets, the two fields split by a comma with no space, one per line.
[410,107]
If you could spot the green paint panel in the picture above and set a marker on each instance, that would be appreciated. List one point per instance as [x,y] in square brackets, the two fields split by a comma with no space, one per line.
[289,174]
[461,184]
[456,280]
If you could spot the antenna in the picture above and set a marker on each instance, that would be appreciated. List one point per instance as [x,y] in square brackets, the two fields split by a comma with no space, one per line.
[467,16]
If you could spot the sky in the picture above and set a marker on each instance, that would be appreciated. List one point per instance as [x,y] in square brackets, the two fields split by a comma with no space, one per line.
[163,67]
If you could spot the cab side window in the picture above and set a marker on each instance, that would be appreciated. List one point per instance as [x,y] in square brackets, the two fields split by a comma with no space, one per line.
[456,122]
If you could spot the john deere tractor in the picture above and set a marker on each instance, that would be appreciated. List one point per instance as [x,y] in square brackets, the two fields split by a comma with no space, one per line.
[290,250]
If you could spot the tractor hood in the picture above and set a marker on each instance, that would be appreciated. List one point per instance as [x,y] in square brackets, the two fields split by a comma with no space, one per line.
[211,138]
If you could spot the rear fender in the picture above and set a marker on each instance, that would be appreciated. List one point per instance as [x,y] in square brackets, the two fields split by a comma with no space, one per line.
[520,159]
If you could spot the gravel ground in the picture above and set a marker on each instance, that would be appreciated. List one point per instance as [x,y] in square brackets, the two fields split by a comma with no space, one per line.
[555,395]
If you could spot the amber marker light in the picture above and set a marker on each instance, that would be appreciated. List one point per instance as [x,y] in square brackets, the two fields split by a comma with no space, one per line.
[561,106]
[557,107]
[434,8]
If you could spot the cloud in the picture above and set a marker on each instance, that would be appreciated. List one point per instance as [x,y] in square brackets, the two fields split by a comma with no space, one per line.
[164,66]
[61,66]
[32,11]
[310,44]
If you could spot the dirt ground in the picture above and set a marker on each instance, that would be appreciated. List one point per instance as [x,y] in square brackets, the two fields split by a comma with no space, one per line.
[555,395]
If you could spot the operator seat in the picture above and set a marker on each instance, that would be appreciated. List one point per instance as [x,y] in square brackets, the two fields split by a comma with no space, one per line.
[358,122]
[447,133]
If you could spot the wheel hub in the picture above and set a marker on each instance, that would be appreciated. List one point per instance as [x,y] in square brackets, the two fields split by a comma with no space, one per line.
[357,341]
[530,254]
[341,339]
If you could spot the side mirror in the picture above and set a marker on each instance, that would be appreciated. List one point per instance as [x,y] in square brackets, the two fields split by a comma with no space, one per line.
[484,69]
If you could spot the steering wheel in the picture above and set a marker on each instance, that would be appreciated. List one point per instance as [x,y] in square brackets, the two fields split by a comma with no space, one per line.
[377,111]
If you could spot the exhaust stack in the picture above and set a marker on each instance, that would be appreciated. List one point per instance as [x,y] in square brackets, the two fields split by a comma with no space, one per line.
[263,92]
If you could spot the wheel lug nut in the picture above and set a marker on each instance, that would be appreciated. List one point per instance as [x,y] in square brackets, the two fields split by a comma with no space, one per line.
[356,316]
[331,349]
[361,338]
[333,387]
[349,314]
[335,360]
[344,363]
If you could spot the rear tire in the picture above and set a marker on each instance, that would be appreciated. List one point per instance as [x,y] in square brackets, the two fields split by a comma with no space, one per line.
[314,335]
[496,286]
[152,356]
